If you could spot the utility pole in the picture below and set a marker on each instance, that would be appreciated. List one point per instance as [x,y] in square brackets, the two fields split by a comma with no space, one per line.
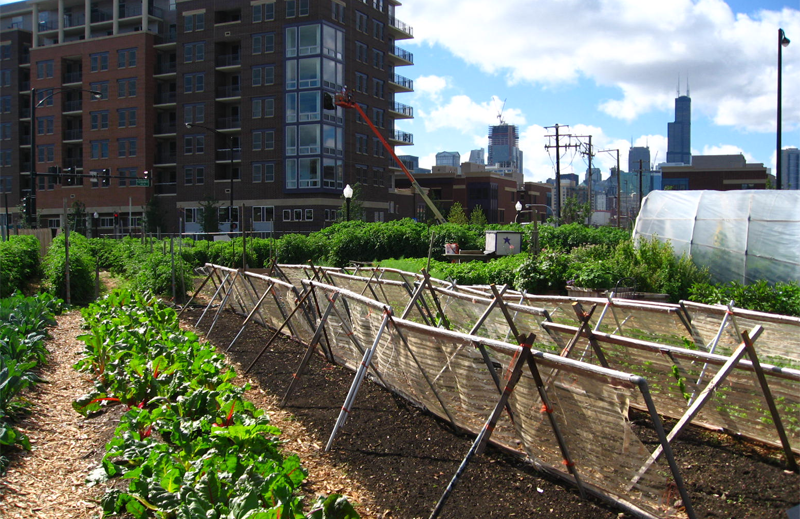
[557,202]
[590,154]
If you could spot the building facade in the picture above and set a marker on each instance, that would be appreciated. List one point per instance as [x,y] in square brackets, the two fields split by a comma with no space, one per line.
[221,103]
[790,166]
[504,149]
[715,172]
[679,133]
[448,158]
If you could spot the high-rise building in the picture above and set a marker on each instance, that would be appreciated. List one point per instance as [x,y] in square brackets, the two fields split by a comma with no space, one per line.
[477,156]
[448,158]
[220,102]
[639,163]
[790,166]
[679,133]
[504,147]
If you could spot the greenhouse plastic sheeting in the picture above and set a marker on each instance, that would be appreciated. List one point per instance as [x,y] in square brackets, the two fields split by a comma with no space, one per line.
[740,236]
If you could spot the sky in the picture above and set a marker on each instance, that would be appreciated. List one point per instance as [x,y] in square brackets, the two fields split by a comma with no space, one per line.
[606,68]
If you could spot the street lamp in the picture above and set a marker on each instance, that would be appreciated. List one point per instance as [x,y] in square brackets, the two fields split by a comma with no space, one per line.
[348,194]
[783,41]
[230,149]
[518,207]
[34,105]
[96,216]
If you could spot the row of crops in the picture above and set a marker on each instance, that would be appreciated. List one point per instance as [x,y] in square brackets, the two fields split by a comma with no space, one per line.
[23,330]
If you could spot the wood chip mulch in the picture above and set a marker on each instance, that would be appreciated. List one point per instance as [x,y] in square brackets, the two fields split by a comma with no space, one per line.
[49,481]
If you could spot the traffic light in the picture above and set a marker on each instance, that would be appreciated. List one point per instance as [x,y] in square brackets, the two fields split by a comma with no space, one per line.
[146,175]
[116,219]
[106,177]
[68,177]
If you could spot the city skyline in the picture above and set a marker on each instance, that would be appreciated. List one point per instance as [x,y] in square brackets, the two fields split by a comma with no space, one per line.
[616,79]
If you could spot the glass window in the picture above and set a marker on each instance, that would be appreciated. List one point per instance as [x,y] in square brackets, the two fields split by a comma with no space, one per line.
[309,40]
[291,108]
[309,72]
[291,74]
[308,173]
[291,140]
[309,106]
[291,42]
[309,139]
[291,178]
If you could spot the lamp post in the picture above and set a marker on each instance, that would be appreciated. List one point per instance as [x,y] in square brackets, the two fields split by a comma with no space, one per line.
[518,207]
[230,149]
[34,105]
[348,194]
[96,216]
[783,41]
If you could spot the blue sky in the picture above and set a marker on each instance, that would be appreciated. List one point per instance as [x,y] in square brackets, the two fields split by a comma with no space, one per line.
[609,68]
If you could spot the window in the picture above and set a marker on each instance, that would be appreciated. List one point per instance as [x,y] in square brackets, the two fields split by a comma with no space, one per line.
[44,97]
[46,153]
[377,59]
[5,77]
[291,108]
[263,75]
[308,72]
[377,117]
[263,107]
[5,104]
[291,42]
[361,83]
[291,140]
[287,215]
[126,147]
[127,176]
[332,74]
[263,140]
[309,106]
[194,22]
[194,113]
[126,87]
[98,61]
[360,119]
[377,88]
[377,4]
[377,148]
[377,177]
[309,39]
[332,173]
[99,149]
[361,52]
[331,215]
[332,140]
[291,8]
[100,86]
[5,51]
[5,157]
[291,74]
[99,120]
[126,58]
[308,139]
[264,12]
[194,52]
[308,173]
[263,172]
[264,43]
[44,125]
[194,82]
[337,11]
[297,215]
[5,131]
[263,214]
[361,144]
[194,144]
[361,174]
[361,21]
[126,117]
[303,7]
[194,175]
[44,70]
[377,29]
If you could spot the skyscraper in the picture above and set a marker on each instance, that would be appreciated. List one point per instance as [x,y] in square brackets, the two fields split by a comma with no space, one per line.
[679,133]
[477,156]
[504,147]
[448,158]
[790,164]
[639,158]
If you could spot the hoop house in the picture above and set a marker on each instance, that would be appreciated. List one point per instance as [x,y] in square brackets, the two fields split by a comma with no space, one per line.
[740,236]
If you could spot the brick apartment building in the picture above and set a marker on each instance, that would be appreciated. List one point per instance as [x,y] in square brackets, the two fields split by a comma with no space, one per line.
[219,101]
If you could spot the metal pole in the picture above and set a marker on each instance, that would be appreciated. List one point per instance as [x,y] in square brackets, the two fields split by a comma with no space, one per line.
[32,194]
[66,253]
[783,41]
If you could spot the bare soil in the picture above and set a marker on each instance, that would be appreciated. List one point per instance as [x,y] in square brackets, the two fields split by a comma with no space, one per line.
[391,459]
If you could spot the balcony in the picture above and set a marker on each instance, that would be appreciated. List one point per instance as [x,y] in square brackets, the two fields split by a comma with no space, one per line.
[74,134]
[74,20]
[229,60]
[165,128]
[165,98]
[166,67]
[400,30]
[25,140]
[165,158]
[25,112]
[402,111]
[404,84]
[101,16]
[50,25]
[400,56]
[25,58]
[400,138]
[167,188]
[229,91]
[73,77]
[225,155]
[75,162]
[24,86]
[128,11]
[229,123]
[75,105]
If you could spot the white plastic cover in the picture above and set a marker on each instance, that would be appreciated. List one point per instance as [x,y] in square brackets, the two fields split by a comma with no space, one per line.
[740,236]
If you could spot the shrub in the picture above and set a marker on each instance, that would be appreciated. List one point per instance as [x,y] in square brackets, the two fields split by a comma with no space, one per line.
[19,263]
[546,272]
[780,298]
[81,269]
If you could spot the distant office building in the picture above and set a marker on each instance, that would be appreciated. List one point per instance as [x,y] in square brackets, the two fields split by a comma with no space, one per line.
[411,162]
[679,133]
[504,147]
[790,168]
[448,158]
[477,156]
[639,160]
[597,177]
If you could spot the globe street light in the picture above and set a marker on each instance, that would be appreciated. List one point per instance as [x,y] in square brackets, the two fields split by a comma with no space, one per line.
[518,207]
[348,194]
[783,41]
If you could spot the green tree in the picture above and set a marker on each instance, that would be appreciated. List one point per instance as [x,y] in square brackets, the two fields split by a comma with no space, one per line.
[153,220]
[76,219]
[210,220]
[574,211]
[457,214]
[477,216]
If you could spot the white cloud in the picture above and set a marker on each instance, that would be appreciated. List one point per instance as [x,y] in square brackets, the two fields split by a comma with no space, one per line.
[463,114]
[430,87]
[640,48]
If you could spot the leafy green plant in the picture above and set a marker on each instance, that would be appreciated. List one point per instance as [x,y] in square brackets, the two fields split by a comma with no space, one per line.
[19,263]
[81,269]
[779,298]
